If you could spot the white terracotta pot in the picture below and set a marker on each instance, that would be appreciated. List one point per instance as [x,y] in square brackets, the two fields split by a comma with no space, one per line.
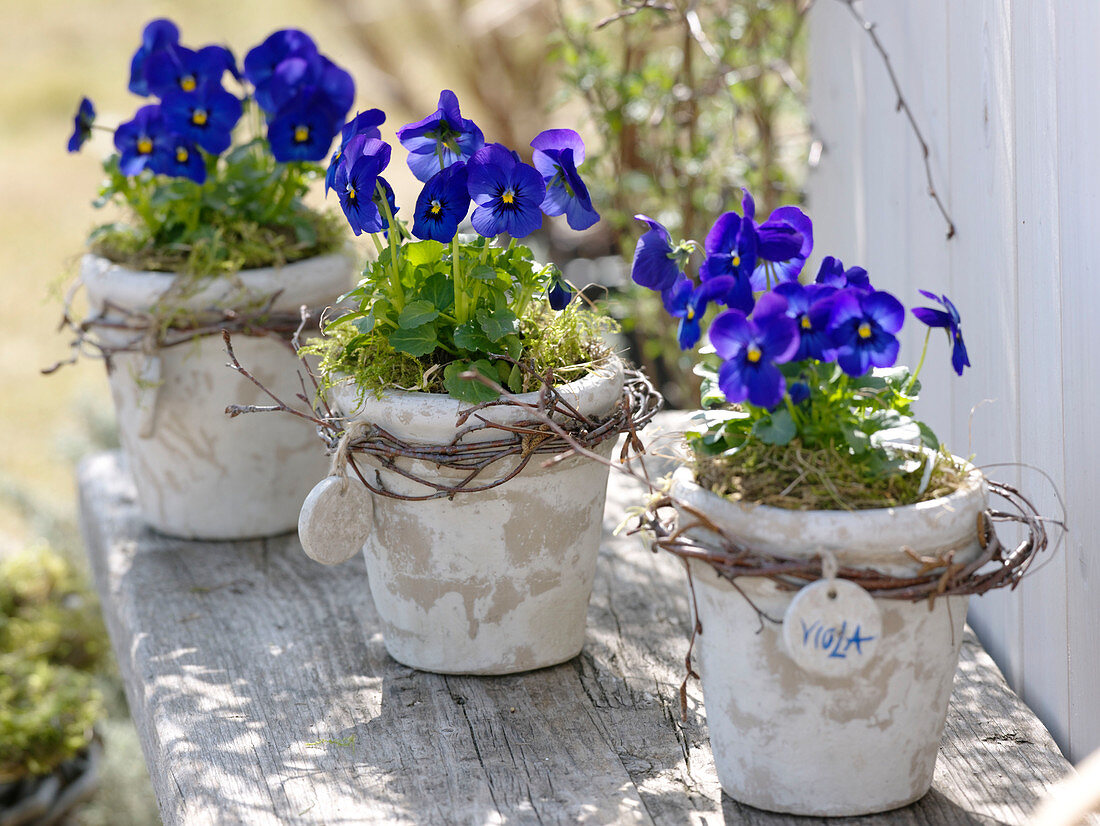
[788,740]
[492,582]
[198,473]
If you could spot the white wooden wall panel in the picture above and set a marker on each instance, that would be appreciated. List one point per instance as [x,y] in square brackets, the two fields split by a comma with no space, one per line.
[1004,92]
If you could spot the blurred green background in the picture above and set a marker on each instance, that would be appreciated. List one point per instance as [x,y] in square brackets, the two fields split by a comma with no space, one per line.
[679,107]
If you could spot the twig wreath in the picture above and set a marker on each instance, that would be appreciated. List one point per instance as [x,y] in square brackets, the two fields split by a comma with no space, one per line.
[549,426]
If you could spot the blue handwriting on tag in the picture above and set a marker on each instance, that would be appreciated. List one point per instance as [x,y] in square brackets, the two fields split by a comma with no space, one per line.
[838,642]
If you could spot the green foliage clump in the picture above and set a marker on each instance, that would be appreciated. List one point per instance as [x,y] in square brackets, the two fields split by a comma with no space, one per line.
[51,637]
[249,213]
[836,449]
[426,313]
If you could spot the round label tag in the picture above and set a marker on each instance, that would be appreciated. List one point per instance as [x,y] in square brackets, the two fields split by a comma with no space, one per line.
[832,627]
[335,520]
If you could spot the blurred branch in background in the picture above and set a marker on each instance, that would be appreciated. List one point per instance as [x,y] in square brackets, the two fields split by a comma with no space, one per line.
[690,101]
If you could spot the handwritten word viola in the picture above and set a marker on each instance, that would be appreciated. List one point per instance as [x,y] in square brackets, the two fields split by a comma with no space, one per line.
[838,642]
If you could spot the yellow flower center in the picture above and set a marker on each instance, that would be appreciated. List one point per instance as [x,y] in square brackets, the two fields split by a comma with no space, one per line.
[301,134]
[735,259]
[690,313]
[806,323]
[753,354]
[187,83]
[437,208]
[509,197]
[864,330]
[351,192]
[182,154]
[144,146]
[199,117]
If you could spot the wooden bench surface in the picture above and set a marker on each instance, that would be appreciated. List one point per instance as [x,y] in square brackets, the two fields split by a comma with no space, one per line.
[263,694]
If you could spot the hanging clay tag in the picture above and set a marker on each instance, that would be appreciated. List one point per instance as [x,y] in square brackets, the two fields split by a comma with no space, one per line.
[832,628]
[335,520]
[148,387]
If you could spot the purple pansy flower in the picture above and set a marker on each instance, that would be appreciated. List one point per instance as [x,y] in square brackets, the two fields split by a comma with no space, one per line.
[303,131]
[862,327]
[442,204]
[205,116]
[507,193]
[175,68]
[440,139]
[783,243]
[263,61]
[655,262]
[833,274]
[952,324]
[82,125]
[558,153]
[356,184]
[559,295]
[364,124]
[730,248]
[689,304]
[810,308]
[751,349]
[181,160]
[141,140]
[158,35]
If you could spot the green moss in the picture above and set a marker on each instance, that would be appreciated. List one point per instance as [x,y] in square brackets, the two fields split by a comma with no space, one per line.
[796,478]
[225,245]
[51,637]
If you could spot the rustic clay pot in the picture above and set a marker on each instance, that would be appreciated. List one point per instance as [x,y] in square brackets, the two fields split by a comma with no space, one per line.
[198,473]
[492,582]
[788,740]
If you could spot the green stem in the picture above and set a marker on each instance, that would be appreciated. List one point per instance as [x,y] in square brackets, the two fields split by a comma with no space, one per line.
[397,291]
[920,364]
[462,310]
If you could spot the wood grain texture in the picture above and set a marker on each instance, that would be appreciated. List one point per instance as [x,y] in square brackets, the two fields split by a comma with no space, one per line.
[263,694]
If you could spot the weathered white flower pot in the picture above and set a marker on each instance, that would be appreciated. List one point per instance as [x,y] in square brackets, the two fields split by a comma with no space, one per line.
[490,582]
[788,740]
[198,473]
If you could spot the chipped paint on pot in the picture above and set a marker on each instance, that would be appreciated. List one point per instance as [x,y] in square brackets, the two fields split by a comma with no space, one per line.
[198,473]
[787,740]
[492,582]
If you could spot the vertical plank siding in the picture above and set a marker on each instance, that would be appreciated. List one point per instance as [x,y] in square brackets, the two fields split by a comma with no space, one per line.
[1004,92]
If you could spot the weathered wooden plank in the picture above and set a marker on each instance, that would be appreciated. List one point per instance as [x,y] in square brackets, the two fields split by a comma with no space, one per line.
[263,694]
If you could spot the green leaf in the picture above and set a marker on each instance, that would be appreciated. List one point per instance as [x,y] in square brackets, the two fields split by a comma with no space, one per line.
[418,341]
[498,324]
[777,429]
[469,390]
[423,252]
[472,338]
[482,272]
[416,314]
[439,290]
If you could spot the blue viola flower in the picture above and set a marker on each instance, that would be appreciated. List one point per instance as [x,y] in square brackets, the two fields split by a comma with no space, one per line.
[783,243]
[558,153]
[178,69]
[205,116]
[690,306]
[364,124]
[675,297]
[356,185]
[730,248]
[833,274]
[303,131]
[142,141]
[810,308]
[158,35]
[443,203]
[441,139]
[862,327]
[82,125]
[262,62]
[559,295]
[799,391]
[181,160]
[656,264]
[507,193]
[949,319]
[751,349]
